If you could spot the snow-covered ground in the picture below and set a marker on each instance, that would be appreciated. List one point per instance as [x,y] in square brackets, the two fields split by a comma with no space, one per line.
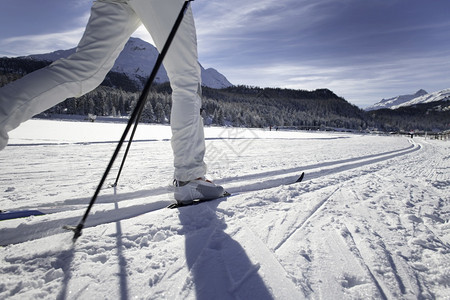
[370,219]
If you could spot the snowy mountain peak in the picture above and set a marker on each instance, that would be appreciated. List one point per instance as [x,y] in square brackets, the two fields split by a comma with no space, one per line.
[212,78]
[395,101]
[443,95]
[421,92]
[137,60]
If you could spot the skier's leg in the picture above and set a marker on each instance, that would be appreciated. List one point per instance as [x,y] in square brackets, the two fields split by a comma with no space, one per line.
[109,27]
[183,69]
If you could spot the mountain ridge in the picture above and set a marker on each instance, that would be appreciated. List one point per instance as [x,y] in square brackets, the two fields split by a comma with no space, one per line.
[442,95]
[420,97]
[137,60]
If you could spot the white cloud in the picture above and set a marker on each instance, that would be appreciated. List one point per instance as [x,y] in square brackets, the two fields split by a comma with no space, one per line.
[35,44]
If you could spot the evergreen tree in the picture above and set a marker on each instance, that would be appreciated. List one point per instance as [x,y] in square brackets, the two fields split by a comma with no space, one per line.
[147,116]
[159,113]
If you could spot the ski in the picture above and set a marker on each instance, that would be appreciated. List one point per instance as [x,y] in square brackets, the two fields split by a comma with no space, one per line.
[16,214]
[37,211]
[197,201]
[225,195]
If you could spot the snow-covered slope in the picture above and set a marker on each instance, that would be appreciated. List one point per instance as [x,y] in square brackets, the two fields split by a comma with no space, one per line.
[443,95]
[137,60]
[389,103]
[370,223]
[419,97]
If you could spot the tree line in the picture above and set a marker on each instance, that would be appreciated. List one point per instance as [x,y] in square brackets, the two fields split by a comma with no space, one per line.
[240,106]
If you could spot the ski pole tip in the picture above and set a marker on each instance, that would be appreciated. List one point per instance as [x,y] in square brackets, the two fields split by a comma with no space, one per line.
[76,231]
[76,235]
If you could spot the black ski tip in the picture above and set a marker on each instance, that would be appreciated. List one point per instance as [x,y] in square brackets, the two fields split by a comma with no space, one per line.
[301,177]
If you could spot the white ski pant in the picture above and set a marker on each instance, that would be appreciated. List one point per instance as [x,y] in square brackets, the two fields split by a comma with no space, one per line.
[110,25]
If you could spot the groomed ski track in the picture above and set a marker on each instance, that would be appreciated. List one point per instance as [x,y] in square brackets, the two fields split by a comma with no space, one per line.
[116,206]
[370,222]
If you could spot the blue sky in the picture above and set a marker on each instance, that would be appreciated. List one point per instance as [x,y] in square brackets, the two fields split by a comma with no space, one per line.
[363,50]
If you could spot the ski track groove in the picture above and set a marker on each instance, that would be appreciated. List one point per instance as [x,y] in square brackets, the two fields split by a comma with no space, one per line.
[392,264]
[264,184]
[258,250]
[311,214]
[352,245]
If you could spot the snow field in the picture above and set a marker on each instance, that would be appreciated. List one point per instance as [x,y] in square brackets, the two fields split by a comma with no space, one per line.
[370,219]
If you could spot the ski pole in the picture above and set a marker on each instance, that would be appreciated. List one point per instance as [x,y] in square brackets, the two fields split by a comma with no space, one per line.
[128,146]
[134,118]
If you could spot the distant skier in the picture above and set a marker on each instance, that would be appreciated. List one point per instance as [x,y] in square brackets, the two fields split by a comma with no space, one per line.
[109,27]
